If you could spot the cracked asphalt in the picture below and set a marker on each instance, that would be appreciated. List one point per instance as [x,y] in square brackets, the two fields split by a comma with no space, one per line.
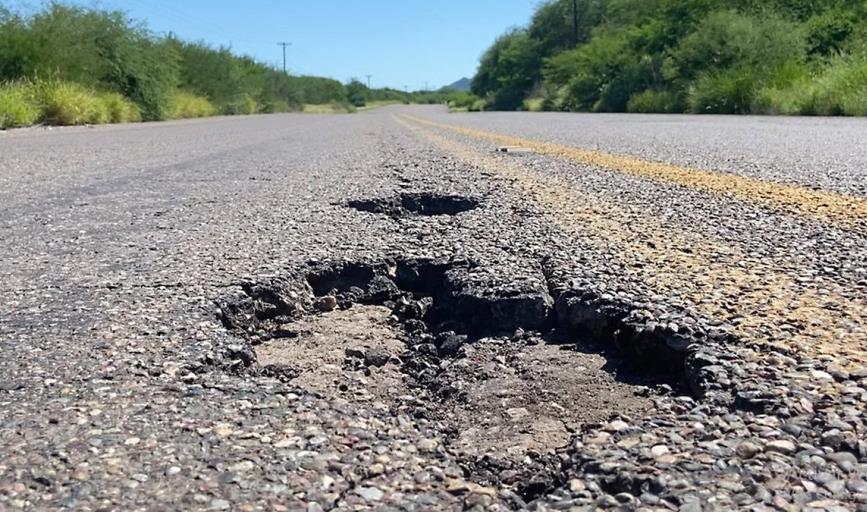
[736,245]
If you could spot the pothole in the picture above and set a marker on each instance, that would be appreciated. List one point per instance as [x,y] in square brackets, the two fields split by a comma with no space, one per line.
[423,203]
[510,369]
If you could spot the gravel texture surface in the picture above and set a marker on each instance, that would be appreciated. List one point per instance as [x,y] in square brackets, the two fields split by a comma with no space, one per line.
[810,151]
[381,312]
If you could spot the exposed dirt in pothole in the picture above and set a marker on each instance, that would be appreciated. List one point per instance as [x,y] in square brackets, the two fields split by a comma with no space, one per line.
[509,397]
[523,397]
[422,203]
[348,353]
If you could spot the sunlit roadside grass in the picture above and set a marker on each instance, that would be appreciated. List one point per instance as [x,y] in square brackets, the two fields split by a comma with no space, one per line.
[183,105]
[840,88]
[373,105]
[329,108]
[25,103]
[67,104]
[18,105]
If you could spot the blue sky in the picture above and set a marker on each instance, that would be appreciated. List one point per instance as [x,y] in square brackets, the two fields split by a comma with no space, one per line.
[400,43]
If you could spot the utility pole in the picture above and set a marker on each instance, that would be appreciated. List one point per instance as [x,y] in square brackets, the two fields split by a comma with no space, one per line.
[368,80]
[284,45]
[574,23]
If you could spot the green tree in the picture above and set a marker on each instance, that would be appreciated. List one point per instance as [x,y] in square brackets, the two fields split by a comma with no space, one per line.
[509,70]
[553,25]
[356,93]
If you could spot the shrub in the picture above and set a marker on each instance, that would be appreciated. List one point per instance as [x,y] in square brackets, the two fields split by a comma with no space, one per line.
[242,104]
[480,105]
[591,75]
[787,101]
[534,104]
[728,39]
[840,88]
[461,100]
[183,105]
[97,49]
[729,91]
[120,109]
[274,107]
[18,105]
[66,103]
[651,101]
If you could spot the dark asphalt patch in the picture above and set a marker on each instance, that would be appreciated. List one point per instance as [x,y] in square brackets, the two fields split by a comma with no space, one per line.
[424,204]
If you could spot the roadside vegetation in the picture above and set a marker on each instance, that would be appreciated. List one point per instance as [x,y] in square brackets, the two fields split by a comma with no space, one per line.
[70,65]
[703,56]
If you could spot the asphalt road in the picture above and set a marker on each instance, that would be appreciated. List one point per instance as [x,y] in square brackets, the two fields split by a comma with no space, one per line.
[715,267]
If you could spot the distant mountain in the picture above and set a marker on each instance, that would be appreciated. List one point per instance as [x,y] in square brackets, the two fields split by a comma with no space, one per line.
[461,85]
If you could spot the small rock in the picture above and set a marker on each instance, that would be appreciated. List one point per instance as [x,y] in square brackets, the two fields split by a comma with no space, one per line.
[845,460]
[576,485]
[219,504]
[223,431]
[376,357]
[835,486]
[285,331]
[516,413]
[356,353]
[326,483]
[659,450]
[781,446]
[748,450]
[369,493]
[451,345]
[624,497]
[243,466]
[616,426]
[859,486]
[832,438]
[820,375]
[427,445]
[325,304]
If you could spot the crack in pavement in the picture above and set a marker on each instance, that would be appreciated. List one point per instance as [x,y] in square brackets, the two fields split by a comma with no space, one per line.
[764,304]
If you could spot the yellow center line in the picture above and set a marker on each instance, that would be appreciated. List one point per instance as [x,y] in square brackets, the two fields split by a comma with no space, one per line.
[718,280]
[844,210]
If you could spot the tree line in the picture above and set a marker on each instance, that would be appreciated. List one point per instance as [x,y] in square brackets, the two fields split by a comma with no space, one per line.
[66,64]
[701,56]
